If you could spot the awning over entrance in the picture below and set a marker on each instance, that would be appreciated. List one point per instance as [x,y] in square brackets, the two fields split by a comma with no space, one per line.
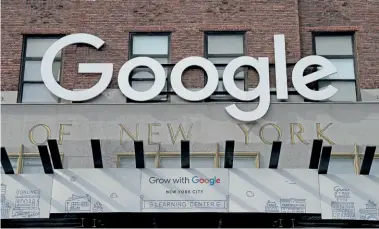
[189,197]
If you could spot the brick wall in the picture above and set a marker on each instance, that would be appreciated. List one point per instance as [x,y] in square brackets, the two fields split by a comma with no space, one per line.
[359,16]
[112,20]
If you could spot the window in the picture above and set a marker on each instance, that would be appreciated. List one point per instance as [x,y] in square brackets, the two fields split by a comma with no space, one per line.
[26,163]
[128,160]
[242,160]
[375,166]
[339,49]
[153,45]
[197,160]
[220,49]
[343,163]
[32,164]
[166,160]
[32,88]
[170,161]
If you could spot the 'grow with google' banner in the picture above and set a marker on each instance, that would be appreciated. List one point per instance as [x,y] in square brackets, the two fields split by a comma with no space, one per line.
[185,180]
[205,189]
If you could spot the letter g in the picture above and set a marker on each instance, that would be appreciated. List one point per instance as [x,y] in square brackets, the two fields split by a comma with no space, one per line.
[106,69]
[262,90]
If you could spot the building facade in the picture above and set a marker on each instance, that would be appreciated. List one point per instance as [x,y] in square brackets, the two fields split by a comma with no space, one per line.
[344,32]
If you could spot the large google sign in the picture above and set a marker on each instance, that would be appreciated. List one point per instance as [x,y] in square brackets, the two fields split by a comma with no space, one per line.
[261,65]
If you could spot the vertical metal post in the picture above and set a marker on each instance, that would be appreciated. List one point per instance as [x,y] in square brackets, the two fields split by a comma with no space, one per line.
[315,154]
[325,158]
[367,160]
[275,154]
[54,152]
[96,153]
[5,162]
[229,154]
[45,158]
[139,154]
[185,154]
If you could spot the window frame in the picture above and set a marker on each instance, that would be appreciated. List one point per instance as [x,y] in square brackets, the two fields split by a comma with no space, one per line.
[234,55]
[192,155]
[255,155]
[347,155]
[351,34]
[354,155]
[20,158]
[24,59]
[31,155]
[119,156]
[168,65]
[216,157]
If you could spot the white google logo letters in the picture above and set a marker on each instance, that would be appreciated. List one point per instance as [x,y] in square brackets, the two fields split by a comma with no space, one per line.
[261,65]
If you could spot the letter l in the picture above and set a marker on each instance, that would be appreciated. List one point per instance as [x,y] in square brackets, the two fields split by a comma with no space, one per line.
[280,67]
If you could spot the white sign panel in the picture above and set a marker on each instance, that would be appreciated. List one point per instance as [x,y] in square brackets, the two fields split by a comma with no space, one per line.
[349,196]
[96,190]
[274,191]
[25,196]
[185,190]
